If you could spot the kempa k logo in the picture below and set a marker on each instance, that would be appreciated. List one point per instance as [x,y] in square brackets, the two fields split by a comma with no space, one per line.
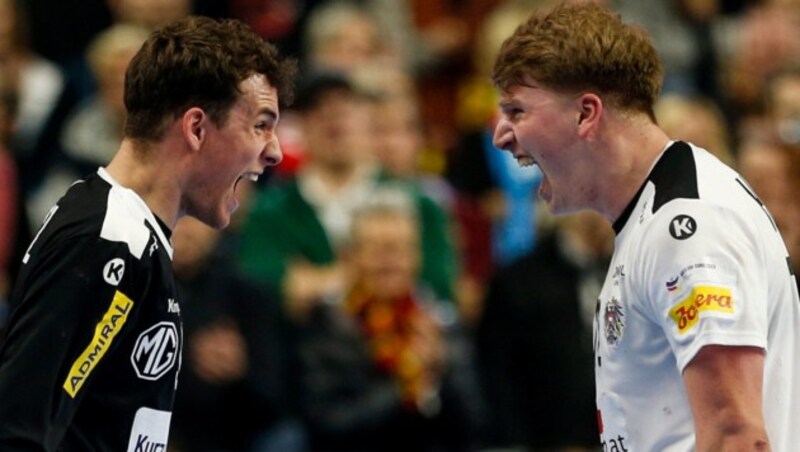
[113,271]
[682,227]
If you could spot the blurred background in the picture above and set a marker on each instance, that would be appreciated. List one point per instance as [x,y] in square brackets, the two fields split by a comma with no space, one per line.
[393,284]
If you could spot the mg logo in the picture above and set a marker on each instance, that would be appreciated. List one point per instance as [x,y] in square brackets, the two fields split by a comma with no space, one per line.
[682,227]
[155,351]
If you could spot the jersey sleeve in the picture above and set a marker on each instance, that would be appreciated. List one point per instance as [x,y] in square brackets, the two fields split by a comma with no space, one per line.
[704,278]
[76,298]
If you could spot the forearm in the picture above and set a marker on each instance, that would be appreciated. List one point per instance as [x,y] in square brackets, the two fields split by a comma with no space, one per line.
[724,386]
[732,433]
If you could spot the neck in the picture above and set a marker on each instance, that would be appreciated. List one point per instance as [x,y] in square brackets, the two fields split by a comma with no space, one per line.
[151,177]
[631,149]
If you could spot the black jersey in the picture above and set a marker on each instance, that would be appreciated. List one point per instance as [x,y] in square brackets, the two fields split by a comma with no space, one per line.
[92,352]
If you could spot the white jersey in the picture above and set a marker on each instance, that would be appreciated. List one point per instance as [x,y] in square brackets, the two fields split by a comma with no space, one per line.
[698,261]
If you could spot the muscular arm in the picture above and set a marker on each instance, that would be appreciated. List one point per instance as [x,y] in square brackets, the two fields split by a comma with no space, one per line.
[724,385]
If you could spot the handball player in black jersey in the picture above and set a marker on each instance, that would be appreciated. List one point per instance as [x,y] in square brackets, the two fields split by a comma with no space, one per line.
[93,346]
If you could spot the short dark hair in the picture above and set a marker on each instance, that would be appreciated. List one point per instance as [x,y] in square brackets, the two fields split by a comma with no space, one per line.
[197,61]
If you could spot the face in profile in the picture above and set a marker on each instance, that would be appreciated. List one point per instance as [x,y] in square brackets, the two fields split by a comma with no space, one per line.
[233,153]
[538,127]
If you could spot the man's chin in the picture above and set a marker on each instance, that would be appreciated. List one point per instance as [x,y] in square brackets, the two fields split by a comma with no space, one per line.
[220,220]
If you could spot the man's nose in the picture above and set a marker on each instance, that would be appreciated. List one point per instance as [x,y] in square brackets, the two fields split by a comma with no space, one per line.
[503,135]
[272,152]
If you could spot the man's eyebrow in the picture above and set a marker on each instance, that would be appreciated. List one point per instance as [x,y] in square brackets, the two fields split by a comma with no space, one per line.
[269,112]
[507,103]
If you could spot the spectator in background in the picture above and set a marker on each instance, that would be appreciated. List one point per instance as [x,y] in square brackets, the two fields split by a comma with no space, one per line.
[92,131]
[397,131]
[311,211]
[233,386]
[773,170]
[697,120]
[379,368]
[69,44]
[421,47]
[769,155]
[277,21]
[60,30]
[337,36]
[40,87]
[397,143]
[755,45]
[495,203]
[675,37]
[149,14]
[9,200]
[534,339]
[346,34]
[341,36]
[782,99]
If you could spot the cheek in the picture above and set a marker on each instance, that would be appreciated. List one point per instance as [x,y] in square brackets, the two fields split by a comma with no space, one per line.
[530,134]
[217,177]
[235,154]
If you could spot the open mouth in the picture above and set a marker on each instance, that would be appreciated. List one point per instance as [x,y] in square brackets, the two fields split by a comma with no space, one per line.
[525,160]
[233,201]
[252,177]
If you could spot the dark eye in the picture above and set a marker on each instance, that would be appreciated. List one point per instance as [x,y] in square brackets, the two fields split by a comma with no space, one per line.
[512,112]
[266,123]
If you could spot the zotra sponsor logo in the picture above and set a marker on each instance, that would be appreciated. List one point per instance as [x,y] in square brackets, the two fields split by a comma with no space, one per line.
[104,334]
[686,314]
[155,351]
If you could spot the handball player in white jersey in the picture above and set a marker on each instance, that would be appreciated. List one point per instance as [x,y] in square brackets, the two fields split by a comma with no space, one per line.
[697,329]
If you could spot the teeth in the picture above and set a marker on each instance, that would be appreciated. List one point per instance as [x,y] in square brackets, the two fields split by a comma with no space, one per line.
[252,176]
[526,161]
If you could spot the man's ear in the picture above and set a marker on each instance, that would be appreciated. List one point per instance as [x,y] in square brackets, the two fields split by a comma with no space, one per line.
[590,110]
[193,125]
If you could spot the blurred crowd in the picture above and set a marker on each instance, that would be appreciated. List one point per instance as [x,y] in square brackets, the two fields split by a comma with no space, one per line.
[393,284]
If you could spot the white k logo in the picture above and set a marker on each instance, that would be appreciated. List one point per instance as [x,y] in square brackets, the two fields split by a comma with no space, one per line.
[682,227]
